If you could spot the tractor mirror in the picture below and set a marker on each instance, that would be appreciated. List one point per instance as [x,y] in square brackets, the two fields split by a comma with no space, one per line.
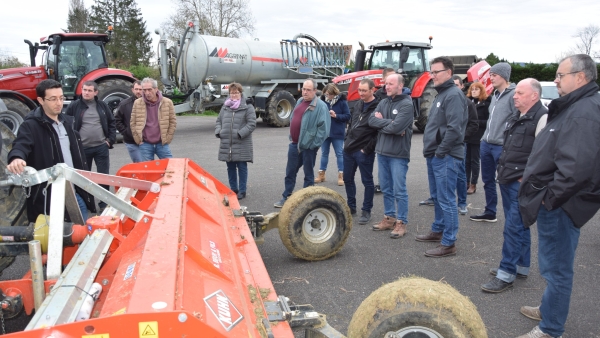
[56,45]
[404,51]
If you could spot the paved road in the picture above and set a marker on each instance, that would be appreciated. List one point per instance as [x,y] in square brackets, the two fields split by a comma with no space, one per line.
[370,259]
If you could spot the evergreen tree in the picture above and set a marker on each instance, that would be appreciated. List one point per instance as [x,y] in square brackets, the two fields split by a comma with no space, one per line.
[131,43]
[78,17]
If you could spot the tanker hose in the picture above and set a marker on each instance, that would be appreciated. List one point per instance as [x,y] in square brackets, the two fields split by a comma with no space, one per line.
[313,39]
[181,50]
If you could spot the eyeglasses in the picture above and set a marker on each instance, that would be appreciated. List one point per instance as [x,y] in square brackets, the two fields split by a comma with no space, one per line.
[54,99]
[234,93]
[559,75]
[436,72]
[307,89]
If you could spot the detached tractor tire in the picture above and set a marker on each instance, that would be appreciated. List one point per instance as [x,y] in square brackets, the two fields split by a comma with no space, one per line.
[314,223]
[279,109]
[112,92]
[16,106]
[416,307]
[426,100]
[11,120]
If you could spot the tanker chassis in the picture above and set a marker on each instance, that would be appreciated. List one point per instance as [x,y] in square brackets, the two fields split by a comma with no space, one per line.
[198,70]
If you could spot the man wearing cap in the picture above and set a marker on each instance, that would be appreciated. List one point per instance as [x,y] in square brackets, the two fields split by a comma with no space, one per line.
[501,109]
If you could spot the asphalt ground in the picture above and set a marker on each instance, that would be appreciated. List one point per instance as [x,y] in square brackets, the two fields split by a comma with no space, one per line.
[370,259]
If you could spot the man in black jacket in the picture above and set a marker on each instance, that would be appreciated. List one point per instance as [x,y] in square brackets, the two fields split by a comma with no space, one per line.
[443,148]
[561,186]
[46,138]
[95,123]
[518,140]
[359,150]
[123,121]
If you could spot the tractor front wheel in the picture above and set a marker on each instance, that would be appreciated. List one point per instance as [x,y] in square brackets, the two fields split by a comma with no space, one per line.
[426,100]
[112,92]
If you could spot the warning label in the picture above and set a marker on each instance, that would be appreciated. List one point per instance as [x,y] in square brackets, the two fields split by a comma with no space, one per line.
[148,329]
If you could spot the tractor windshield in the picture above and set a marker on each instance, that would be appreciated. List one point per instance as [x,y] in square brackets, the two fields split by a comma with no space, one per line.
[76,59]
[385,58]
[414,65]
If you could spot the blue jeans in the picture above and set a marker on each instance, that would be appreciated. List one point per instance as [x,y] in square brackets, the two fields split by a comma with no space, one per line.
[461,185]
[99,155]
[363,162]
[134,152]
[516,249]
[442,174]
[148,150]
[490,154]
[392,180]
[338,147]
[557,243]
[295,161]
[82,207]
[235,168]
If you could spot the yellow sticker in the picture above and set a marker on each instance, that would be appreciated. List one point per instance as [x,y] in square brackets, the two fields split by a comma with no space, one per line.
[103,335]
[148,329]
[120,312]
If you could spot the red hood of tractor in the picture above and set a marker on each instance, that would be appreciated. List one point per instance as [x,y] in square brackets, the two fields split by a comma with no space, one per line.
[22,79]
[349,82]
[481,72]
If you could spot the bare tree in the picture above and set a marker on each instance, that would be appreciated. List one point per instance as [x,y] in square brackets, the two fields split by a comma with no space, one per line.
[77,21]
[227,18]
[586,36]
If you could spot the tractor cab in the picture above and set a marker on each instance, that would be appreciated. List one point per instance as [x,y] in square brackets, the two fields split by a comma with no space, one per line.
[70,56]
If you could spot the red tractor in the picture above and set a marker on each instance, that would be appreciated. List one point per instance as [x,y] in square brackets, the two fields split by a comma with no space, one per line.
[69,58]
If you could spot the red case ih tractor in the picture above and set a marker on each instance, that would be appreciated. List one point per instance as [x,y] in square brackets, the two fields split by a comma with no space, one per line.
[69,58]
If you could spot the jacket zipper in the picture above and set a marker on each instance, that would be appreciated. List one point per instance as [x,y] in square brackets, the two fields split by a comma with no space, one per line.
[492,114]
[231,135]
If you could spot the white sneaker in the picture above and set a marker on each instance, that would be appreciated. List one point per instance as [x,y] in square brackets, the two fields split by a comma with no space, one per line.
[537,333]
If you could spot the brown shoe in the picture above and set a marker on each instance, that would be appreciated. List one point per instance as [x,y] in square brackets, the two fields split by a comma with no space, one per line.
[387,223]
[430,237]
[320,176]
[531,312]
[399,230]
[340,178]
[441,251]
[472,189]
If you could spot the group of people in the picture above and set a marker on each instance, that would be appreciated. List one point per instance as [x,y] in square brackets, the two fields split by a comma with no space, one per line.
[84,134]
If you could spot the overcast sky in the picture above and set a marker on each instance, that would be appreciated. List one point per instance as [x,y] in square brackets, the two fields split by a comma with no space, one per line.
[519,31]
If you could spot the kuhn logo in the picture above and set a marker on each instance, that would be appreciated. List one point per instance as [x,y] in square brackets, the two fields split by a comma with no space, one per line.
[227,314]
[222,53]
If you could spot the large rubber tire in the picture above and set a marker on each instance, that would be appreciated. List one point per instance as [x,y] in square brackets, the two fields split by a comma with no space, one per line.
[11,120]
[419,307]
[314,223]
[279,109]
[16,106]
[426,100]
[12,198]
[113,92]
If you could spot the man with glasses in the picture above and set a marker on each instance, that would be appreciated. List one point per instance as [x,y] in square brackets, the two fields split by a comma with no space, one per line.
[309,127]
[443,149]
[44,139]
[153,122]
[123,121]
[95,122]
[561,185]
[501,109]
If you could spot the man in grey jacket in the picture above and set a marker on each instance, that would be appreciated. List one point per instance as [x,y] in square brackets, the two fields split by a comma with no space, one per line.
[501,109]
[443,149]
[393,117]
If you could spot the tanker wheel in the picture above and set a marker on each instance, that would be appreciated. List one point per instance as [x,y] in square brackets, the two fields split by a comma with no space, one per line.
[280,108]
[314,223]
[416,307]
[11,120]
[12,198]
[426,100]
[113,92]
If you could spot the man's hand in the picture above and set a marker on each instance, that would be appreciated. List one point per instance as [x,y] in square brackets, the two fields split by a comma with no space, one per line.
[107,143]
[332,113]
[378,115]
[17,166]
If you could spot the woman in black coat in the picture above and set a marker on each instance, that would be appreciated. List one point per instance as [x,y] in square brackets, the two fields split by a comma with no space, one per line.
[234,127]
[478,95]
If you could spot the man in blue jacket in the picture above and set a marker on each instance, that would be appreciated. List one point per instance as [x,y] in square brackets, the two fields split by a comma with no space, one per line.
[443,148]
[309,127]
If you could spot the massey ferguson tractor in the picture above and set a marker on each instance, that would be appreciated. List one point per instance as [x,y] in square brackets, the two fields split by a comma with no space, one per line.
[175,255]
[69,58]
[199,68]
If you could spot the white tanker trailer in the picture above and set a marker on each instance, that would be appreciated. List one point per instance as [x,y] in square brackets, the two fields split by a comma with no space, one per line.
[200,67]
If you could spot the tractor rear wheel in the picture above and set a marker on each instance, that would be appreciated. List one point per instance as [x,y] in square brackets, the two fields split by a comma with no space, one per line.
[11,120]
[112,92]
[279,109]
[416,307]
[314,223]
[16,106]
[426,100]
[12,198]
